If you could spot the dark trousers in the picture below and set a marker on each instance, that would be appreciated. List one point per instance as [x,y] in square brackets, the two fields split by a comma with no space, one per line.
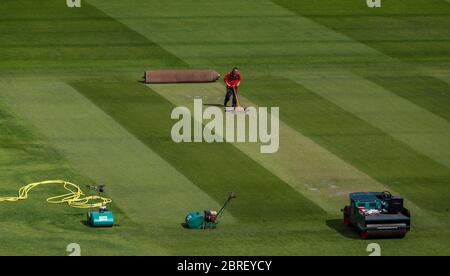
[230,93]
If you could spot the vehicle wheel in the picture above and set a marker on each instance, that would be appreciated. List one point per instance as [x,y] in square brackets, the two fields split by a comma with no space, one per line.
[364,235]
[346,217]
[346,220]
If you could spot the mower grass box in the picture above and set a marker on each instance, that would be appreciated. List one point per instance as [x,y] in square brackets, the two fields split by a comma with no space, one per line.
[100,218]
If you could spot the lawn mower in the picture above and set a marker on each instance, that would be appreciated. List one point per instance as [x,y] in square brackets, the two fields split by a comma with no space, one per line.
[208,219]
[377,214]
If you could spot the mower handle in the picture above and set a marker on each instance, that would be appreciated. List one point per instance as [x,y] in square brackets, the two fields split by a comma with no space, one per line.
[230,197]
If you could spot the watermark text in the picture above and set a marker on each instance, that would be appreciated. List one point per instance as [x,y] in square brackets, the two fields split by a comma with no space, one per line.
[374,3]
[73,3]
[254,125]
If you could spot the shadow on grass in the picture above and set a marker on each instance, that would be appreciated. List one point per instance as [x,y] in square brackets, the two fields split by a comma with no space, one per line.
[86,223]
[208,104]
[184,225]
[345,231]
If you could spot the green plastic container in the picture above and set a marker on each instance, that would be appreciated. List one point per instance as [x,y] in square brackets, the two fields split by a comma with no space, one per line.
[195,220]
[100,219]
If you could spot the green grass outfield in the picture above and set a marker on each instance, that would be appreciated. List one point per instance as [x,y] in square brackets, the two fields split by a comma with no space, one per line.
[364,97]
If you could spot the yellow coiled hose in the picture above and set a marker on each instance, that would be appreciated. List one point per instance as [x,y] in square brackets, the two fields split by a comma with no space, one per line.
[75,198]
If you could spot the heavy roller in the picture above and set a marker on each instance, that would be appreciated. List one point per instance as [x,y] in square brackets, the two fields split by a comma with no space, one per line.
[377,215]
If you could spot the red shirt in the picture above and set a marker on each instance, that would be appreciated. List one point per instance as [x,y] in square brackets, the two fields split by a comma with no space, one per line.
[232,80]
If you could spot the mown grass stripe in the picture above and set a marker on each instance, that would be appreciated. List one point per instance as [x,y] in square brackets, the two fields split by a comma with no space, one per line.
[312,235]
[43,137]
[52,22]
[366,147]
[254,87]
[215,168]
[427,92]
[420,129]
[409,36]
[300,162]
[306,166]
[408,23]
[175,38]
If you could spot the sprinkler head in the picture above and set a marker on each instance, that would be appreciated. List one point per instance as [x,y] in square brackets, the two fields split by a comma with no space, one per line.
[101,188]
[232,195]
